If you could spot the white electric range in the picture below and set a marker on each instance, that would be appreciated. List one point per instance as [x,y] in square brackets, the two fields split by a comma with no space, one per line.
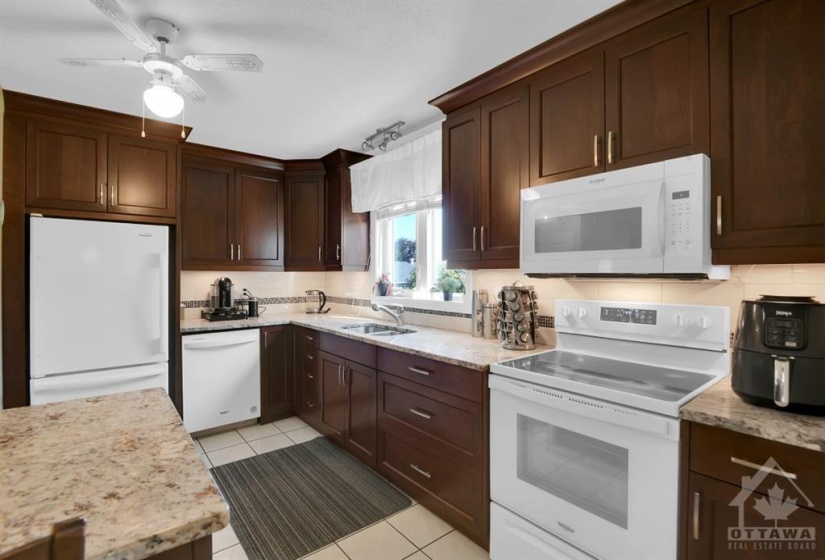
[584,439]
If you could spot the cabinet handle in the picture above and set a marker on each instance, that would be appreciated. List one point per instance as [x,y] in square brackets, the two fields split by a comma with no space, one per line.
[266,342]
[338,252]
[239,251]
[719,215]
[422,414]
[474,238]
[419,470]
[102,194]
[310,376]
[595,150]
[309,338]
[319,253]
[697,499]
[231,252]
[763,468]
[310,357]
[112,195]
[481,237]
[344,371]
[310,404]
[609,146]
[420,371]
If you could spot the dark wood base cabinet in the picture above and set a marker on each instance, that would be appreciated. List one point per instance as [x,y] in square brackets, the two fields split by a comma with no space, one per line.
[749,498]
[421,423]
[276,378]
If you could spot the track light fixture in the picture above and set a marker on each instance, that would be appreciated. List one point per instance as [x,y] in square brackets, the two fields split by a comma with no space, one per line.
[387,135]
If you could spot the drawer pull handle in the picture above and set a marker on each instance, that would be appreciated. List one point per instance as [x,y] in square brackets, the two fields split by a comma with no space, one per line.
[420,471]
[310,357]
[309,338]
[310,404]
[697,499]
[309,375]
[422,414]
[420,371]
[763,468]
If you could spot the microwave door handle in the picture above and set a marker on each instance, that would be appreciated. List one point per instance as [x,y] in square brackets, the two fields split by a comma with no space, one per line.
[662,219]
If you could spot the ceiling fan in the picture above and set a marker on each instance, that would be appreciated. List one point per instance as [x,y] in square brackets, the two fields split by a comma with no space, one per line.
[169,79]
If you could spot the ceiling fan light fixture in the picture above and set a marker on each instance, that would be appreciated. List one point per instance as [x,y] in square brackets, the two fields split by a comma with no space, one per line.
[163,100]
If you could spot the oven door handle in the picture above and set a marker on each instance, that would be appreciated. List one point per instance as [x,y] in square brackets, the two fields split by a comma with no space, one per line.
[586,407]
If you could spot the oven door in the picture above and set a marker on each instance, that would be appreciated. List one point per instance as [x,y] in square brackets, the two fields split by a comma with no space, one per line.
[608,230]
[600,476]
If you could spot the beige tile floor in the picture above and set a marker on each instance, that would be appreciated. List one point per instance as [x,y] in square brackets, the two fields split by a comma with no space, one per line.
[412,534]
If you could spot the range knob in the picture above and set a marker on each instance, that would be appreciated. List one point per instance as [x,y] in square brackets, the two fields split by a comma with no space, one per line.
[680,320]
[566,312]
[703,322]
[581,312]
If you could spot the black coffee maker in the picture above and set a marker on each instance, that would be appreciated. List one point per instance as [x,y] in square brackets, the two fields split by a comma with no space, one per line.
[221,302]
[779,354]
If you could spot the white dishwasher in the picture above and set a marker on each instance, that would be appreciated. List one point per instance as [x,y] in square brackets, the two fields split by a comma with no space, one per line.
[221,378]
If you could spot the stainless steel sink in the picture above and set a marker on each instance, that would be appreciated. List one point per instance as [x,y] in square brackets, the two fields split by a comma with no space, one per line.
[375,329]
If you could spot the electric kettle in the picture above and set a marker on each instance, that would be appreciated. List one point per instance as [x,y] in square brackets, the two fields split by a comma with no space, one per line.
[316,300]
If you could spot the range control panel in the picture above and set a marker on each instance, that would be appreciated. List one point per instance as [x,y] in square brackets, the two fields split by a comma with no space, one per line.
[784,332]
[629,315]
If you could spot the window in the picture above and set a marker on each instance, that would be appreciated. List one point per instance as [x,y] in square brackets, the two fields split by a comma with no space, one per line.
[407,254]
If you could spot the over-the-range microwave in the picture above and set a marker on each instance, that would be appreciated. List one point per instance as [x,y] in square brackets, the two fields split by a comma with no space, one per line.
[652,220]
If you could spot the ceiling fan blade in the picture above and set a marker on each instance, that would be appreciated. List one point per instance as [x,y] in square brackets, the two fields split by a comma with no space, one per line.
[117,15]
[218,62]
[84,62]
[190,89]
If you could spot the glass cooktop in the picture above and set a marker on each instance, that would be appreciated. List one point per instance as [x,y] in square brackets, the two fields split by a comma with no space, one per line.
[629,377]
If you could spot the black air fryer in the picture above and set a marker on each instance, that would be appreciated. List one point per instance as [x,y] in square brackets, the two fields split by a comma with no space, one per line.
[779,354]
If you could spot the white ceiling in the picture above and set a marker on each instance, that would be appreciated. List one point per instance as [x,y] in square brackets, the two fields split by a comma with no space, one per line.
[334,70]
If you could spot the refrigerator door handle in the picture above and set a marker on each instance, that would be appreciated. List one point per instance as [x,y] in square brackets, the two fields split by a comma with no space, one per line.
[65,381]
[164,321]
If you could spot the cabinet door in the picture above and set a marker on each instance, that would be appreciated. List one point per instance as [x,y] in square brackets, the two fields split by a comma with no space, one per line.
[712,511]
[361,386]
[207,215]
[332,221]
[504,170]
[567,119]
[334,396]
[461,185]
[276,374]
[259,219]
[355,230]
[656,90]
[304,221]
[65,166]
[142,176]
[767,123]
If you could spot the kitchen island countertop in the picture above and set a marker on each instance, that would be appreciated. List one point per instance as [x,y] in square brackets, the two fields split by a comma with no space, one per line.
[458,348]
[720,406]
[124,462]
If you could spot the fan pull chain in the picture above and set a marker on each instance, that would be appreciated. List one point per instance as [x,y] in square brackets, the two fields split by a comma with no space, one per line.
[143,120]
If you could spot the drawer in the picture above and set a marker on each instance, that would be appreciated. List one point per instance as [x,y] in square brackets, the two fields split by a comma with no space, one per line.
[459,381]
[307,337]
[452,485]
[719,453]
[451,424]
[358,352]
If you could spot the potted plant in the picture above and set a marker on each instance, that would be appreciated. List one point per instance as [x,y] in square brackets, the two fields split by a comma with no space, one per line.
[383,286]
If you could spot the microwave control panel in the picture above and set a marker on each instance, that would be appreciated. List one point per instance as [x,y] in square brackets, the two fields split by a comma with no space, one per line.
[680,212]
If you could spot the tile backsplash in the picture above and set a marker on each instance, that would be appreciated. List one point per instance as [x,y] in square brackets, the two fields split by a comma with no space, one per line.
[349,292]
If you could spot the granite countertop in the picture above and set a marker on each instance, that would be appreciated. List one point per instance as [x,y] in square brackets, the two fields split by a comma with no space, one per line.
[720,406]
[124,462]
[461,349]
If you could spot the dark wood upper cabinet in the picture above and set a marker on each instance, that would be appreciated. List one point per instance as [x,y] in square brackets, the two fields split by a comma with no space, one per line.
[485,166]
[305,222]
[65,166]
[567,119]
[346,234]
[143,176]
[276,373]
[461,185]
[207,214]
[767,123]
[259,222]
[232,212]
[656,90]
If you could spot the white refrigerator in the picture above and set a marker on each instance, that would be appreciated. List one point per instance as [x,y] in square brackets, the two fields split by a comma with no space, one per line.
[98,308]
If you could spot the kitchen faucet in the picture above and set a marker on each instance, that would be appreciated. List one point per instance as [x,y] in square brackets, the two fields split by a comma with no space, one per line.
[393,310]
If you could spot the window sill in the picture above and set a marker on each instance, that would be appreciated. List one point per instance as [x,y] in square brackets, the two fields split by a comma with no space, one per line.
[460,303]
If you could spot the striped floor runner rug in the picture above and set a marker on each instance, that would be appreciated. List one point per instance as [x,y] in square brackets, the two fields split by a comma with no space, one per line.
[289,502]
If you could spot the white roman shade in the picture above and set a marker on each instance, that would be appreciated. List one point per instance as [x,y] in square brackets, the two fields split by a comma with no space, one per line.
[410,172]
